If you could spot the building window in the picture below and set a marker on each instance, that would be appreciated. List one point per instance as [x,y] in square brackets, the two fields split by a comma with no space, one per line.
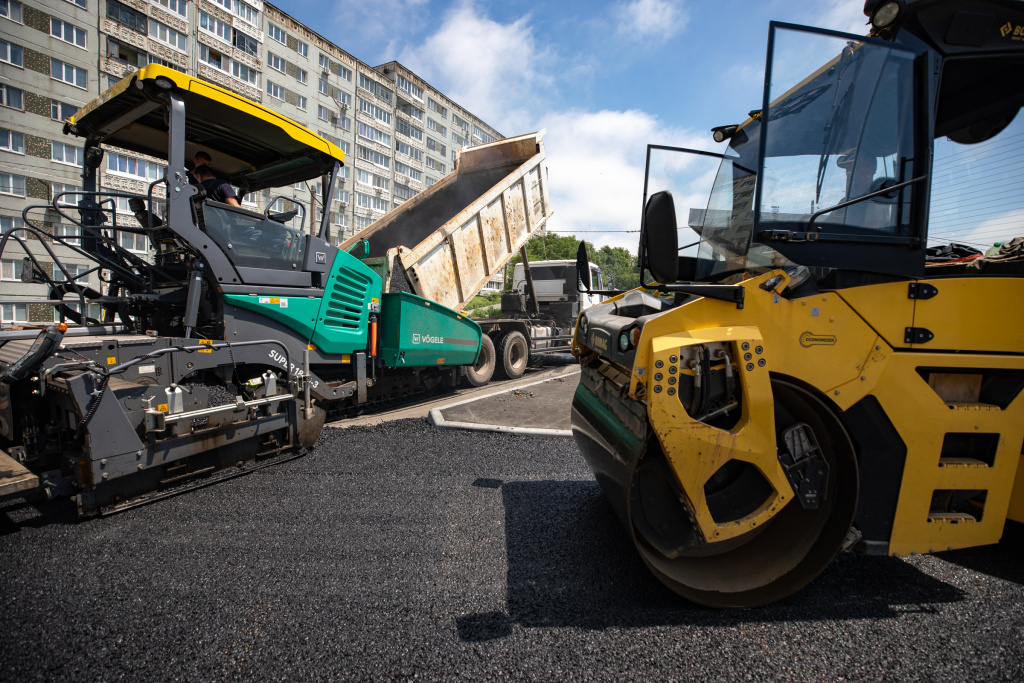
[344,122]
[435,165]
[129,166]
[12,141]
[8,223]
[80,3]
[71,234]
[243,73]
[213,58]
[408,87]
[412,111]
[65,154]
[94,311]
[246,43]
[10,9]
[373,156]
[132,241]
[482,134]
[323,87]
[69,73]
[409,150]
[345,98]
[126,54]
[176,6]
[300,102]
[408,170]
[345,73]
[321,112]
[340,195]
[275,91]
[434,106]
[376,88]
[372,179]
[13,185]
[67,32]
[435,126]
[371,133]
[126,16]
[382,115]
[275,62]
[167,35]
[10,269]
[372,202]
[75,271]
[11,97]
[325,63]
[10,53]
[429,181]
[67,200]
[214,26]
[277,33]
[303,49]
[458,139]
[246,13]
[301,75]
[14,313]
[404,192]
[408,131]
[436,146]
[341,219]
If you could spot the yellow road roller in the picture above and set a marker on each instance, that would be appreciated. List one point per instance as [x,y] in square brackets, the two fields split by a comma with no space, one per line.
[837,361]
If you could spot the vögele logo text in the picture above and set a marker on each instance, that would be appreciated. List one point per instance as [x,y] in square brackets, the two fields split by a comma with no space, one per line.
[426,339]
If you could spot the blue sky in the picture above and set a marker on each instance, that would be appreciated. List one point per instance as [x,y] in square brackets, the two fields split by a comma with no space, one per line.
[603,78]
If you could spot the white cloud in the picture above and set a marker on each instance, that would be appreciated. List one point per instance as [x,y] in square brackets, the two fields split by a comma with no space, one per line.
[375,24]
[650,20]
[838,15]
[490,68]
[596,170]
[595,158]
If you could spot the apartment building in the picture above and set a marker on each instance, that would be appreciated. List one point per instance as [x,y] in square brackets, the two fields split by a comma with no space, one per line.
[400,134]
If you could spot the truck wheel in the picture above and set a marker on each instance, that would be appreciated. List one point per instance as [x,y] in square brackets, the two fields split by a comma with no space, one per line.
[514,353]
[480,374]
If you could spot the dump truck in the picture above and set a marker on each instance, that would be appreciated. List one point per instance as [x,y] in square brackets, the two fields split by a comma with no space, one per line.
[539,314]
[824,372]
[445,244]
[224,353]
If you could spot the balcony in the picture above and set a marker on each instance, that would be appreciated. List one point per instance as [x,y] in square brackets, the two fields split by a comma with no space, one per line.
[117,67]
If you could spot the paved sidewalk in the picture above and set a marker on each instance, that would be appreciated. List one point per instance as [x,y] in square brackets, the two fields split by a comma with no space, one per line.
[544,405]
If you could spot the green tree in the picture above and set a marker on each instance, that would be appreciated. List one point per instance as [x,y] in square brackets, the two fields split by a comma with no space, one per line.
[618,267]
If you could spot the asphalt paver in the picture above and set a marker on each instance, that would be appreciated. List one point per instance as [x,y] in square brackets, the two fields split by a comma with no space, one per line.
[402,551]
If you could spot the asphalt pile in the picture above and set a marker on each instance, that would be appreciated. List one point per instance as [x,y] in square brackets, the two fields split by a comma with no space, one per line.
[401,551]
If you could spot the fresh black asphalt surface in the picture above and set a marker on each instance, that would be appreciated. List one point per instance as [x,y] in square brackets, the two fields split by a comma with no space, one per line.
[401,552]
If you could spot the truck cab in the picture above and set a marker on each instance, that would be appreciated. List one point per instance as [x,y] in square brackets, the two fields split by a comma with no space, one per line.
[552,281]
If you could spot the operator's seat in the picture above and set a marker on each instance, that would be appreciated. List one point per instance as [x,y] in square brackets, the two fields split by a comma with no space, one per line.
[259,246]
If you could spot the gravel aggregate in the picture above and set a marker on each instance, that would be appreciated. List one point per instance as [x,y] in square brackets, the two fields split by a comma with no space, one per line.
[401,551]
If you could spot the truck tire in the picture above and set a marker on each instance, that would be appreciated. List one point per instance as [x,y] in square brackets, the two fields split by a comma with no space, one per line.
[514,353]
[481,373]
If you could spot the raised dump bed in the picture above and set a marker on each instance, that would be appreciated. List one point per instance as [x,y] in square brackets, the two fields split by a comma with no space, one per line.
[449,240]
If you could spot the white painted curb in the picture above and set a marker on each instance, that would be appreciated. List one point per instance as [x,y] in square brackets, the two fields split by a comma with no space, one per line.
[437,419]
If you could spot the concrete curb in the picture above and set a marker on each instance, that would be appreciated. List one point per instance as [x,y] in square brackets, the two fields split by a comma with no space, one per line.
[438,420]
